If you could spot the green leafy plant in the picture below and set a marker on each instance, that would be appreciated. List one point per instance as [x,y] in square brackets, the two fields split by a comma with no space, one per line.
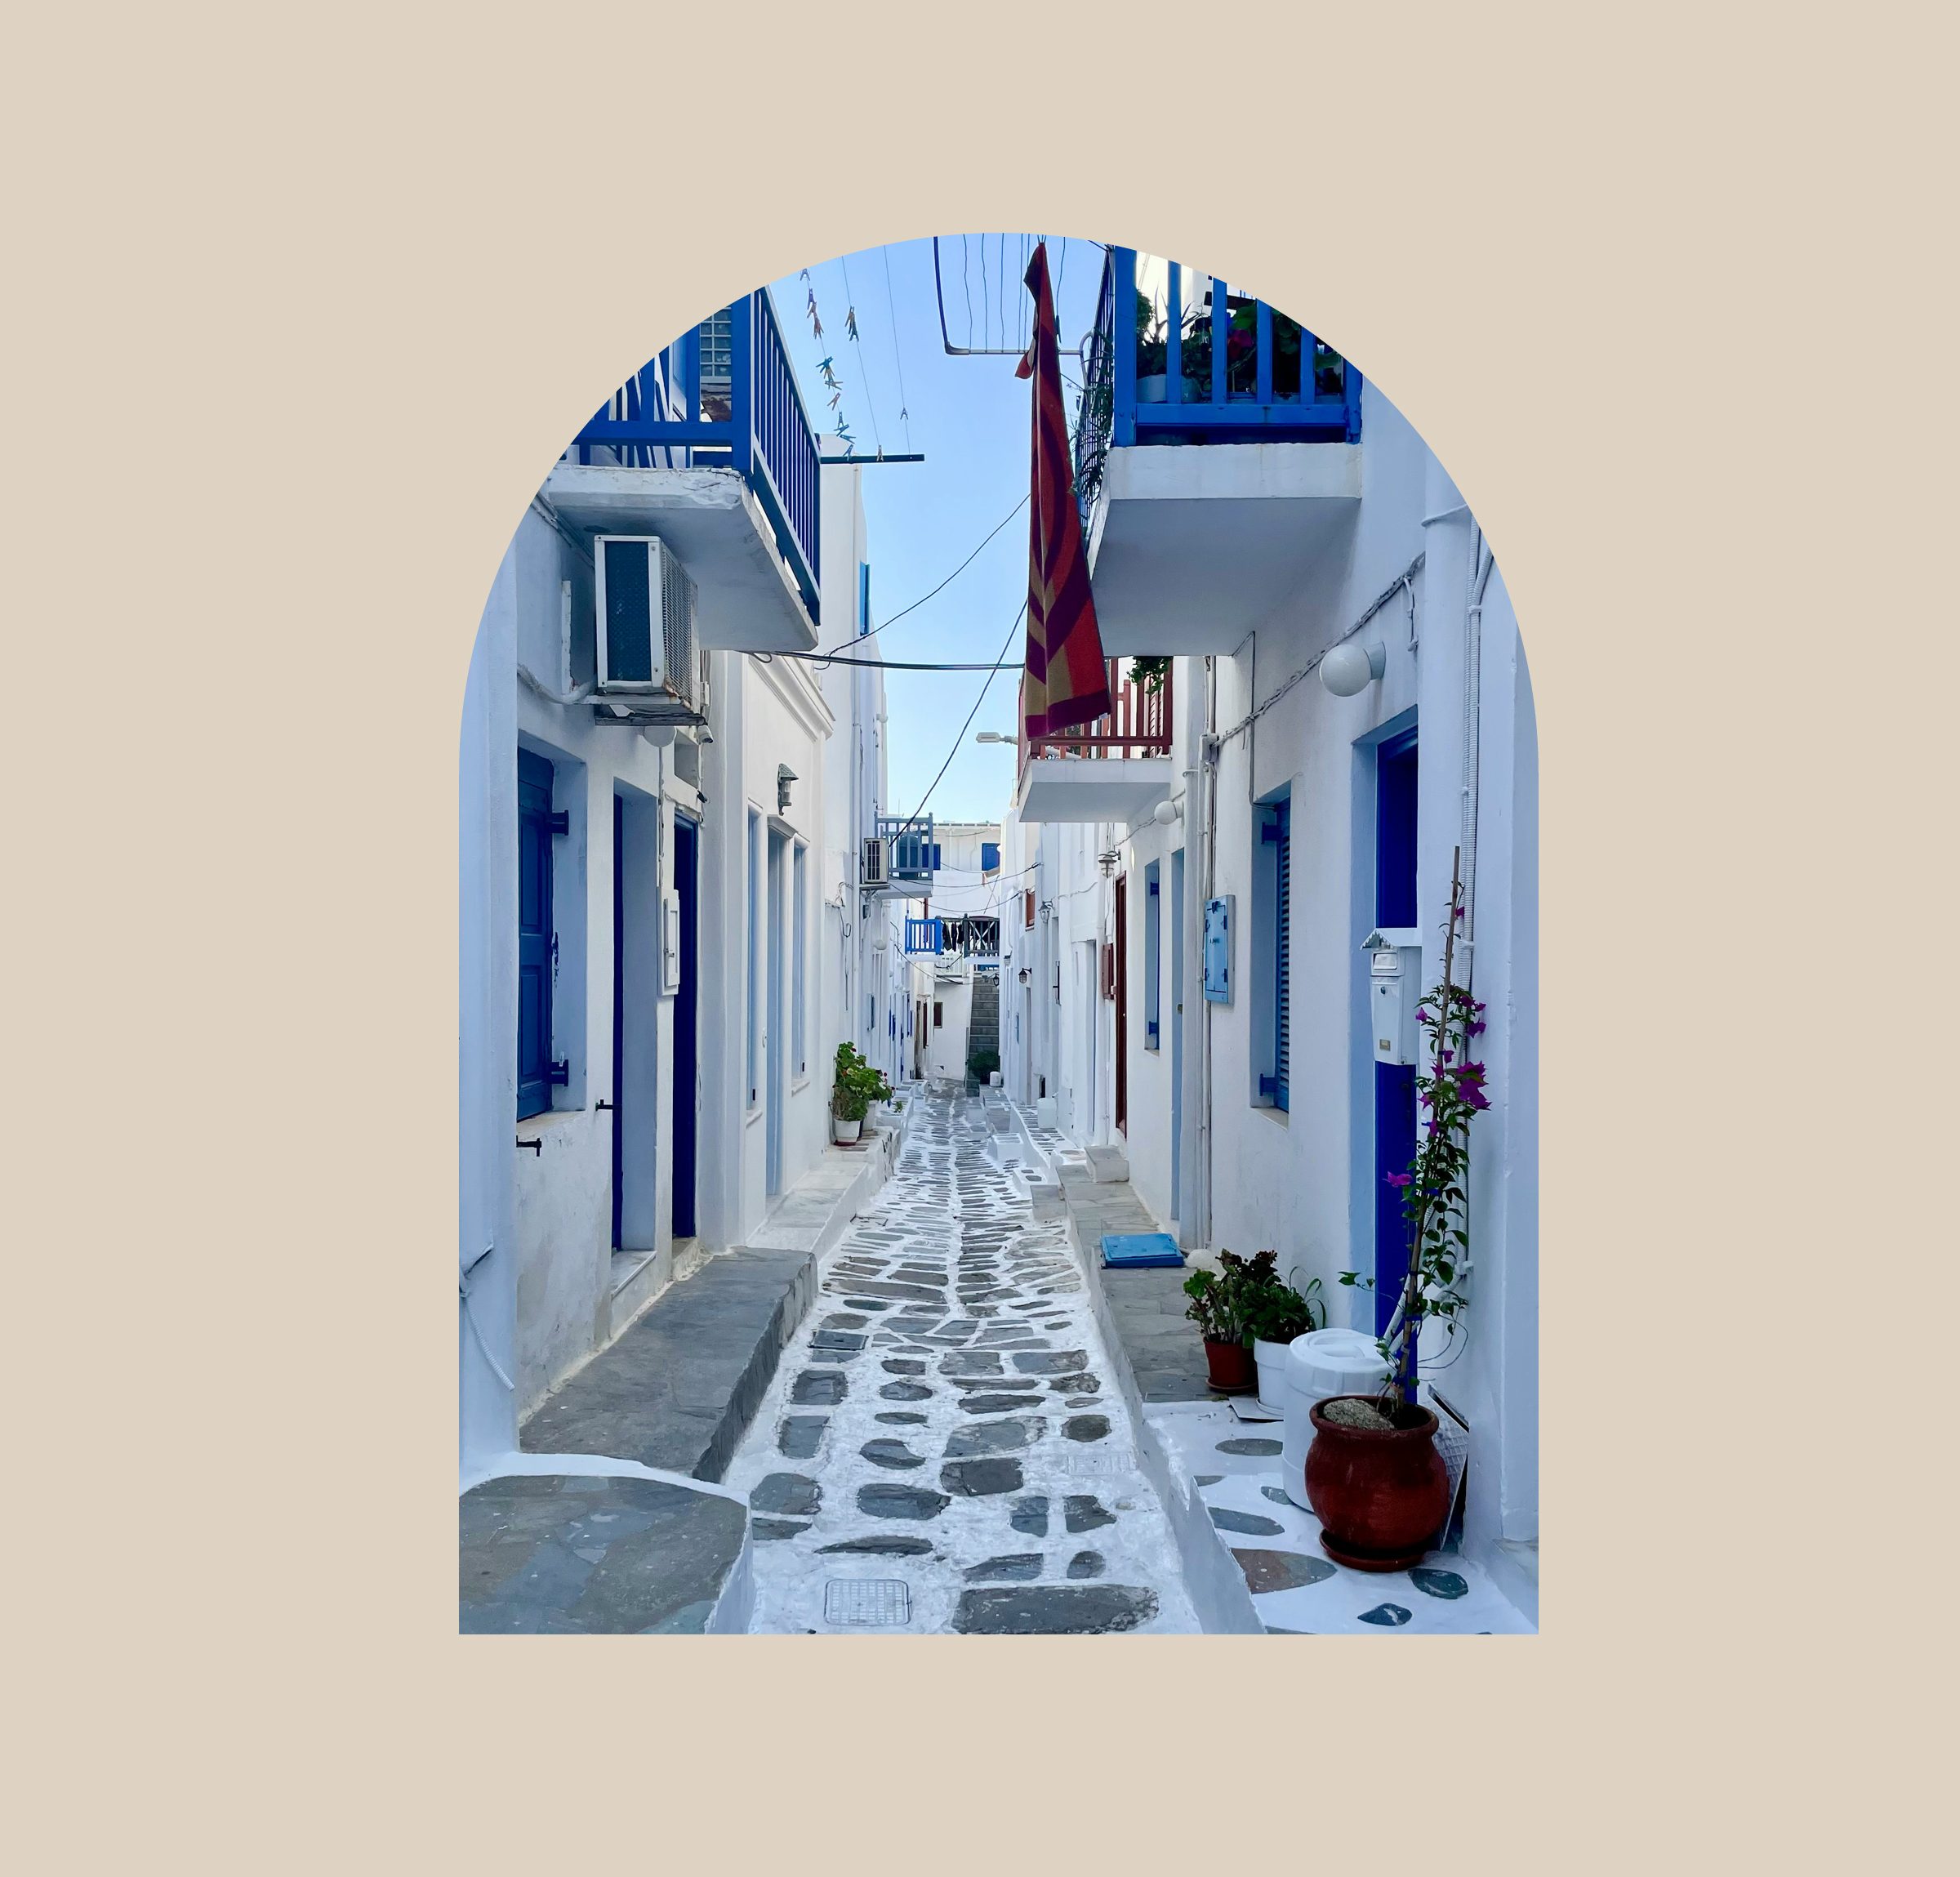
[1279,1312]
[856,1086]
[1149,674]
[1224,1302]
[981,1063]
[1435,1189]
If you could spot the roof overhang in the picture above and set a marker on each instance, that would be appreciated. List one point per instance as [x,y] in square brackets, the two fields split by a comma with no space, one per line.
[1086,788]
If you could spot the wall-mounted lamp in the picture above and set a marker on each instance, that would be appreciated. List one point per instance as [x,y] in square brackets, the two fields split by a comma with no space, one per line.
[1026,976]
[1349,670]
[1166,812]
[785,775]
[1107,862]
[993,736]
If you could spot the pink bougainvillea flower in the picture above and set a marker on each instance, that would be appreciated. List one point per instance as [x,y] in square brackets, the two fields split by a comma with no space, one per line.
[1398,1179]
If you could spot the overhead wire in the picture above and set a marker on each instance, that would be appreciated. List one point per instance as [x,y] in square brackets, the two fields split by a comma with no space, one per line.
[859,638]
[975,711]
[905,413]
[850,330]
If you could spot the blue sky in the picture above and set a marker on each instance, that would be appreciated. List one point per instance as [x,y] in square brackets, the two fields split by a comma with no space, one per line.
[970,417]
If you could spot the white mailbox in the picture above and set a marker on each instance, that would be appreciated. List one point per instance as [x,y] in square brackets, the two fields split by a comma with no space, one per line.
[669,941]
[1394,983]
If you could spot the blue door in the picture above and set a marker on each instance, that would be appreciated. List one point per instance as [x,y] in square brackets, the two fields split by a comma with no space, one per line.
[534,829]
[1395,795]
[686,854]
[1177,1033]
[619,999]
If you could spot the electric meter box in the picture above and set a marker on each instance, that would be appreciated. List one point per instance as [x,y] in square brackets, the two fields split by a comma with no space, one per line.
[1395,985]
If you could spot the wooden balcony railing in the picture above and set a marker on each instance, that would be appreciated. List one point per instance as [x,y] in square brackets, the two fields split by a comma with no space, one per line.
[1138,723]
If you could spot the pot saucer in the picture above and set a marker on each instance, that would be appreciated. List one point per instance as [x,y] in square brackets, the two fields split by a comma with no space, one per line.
[1371,1560]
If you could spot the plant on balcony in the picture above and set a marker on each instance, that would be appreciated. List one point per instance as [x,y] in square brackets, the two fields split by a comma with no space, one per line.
[856,1085]
[1374,1476]
[1148,674]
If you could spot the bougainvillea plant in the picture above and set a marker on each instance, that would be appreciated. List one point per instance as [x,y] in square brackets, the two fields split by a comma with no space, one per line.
[1435,1189]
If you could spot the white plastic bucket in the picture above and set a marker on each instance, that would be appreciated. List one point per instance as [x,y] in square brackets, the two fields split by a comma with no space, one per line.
[1325,1362]
[1272,1358]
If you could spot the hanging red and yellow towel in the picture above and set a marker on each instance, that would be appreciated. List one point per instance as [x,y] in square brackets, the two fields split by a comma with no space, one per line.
[1067,684]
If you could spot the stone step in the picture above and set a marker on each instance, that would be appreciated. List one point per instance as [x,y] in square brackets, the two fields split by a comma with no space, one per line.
[679,1388]
[553,1553]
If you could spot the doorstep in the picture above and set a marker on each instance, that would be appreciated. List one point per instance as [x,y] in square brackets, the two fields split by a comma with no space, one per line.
[678,1389]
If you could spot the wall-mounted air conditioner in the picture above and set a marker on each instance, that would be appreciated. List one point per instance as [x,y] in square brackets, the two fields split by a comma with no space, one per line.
[875,869]
[651,670]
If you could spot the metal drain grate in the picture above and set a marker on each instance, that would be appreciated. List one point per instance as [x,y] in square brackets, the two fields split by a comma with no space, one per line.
[1095,1461]
[874,1603]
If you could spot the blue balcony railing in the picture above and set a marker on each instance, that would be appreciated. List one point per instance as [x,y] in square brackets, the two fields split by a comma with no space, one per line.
[914,853]
[1199,364]
[924,935]
[726,397]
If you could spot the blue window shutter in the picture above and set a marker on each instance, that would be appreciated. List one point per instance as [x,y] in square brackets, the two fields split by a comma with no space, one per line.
[1282,1041]
[990,857]
[936,862]
[533,934]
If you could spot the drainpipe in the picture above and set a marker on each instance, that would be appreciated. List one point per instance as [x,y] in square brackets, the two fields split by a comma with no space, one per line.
[1202,812]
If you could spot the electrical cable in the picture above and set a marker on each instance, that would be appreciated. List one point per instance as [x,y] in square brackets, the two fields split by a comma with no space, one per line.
[960,739]
[905,413]
[850,323]
[860,637]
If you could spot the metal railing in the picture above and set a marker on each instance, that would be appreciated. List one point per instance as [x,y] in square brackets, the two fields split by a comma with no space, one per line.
[958,935]
[1137,724]
[1236,370]
[726,396]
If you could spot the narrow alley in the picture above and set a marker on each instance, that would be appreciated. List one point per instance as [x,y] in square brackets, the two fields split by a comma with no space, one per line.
[943,1447]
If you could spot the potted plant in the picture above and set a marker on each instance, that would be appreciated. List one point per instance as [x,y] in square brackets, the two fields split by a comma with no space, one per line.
[982,1064]
[1373,1476]
[1222,1305]
[1279,1313]
[856,1086]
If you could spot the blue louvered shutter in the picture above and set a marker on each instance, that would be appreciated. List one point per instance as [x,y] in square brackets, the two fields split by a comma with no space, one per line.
[1283,949]
[533,934]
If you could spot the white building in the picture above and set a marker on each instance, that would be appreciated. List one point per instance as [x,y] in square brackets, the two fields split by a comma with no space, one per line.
[661,822]
[954,945]
[1261,1103]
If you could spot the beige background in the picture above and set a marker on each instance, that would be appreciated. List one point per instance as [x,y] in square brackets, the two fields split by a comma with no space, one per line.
[301,304]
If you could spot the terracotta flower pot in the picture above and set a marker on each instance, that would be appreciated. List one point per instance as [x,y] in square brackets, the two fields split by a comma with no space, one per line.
[1231,1368]
[1379,1493]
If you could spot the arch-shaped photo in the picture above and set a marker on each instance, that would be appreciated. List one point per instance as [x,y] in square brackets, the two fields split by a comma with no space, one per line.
[999,983]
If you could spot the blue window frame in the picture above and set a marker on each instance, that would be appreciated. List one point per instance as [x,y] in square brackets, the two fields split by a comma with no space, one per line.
[990,857]
[1153,901]
[535,825]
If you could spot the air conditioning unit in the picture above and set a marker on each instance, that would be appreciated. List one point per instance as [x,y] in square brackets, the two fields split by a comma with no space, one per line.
[650,669]
[875,870]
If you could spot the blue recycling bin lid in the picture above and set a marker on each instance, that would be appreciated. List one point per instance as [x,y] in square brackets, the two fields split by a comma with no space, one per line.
[1139,1250]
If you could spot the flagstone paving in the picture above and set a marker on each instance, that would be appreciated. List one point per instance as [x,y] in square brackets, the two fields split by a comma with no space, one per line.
[952,1328]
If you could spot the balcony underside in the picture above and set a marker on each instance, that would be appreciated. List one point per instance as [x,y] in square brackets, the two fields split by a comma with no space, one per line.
[1087,788]
[1193,546]
[748,599]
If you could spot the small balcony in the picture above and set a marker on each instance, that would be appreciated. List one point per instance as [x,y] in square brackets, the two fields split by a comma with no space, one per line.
[1116,768]
[1218,457]
[910,857]
[967,935]
[709,446]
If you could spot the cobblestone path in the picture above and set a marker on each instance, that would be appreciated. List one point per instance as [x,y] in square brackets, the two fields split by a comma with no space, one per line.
[943,1449]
